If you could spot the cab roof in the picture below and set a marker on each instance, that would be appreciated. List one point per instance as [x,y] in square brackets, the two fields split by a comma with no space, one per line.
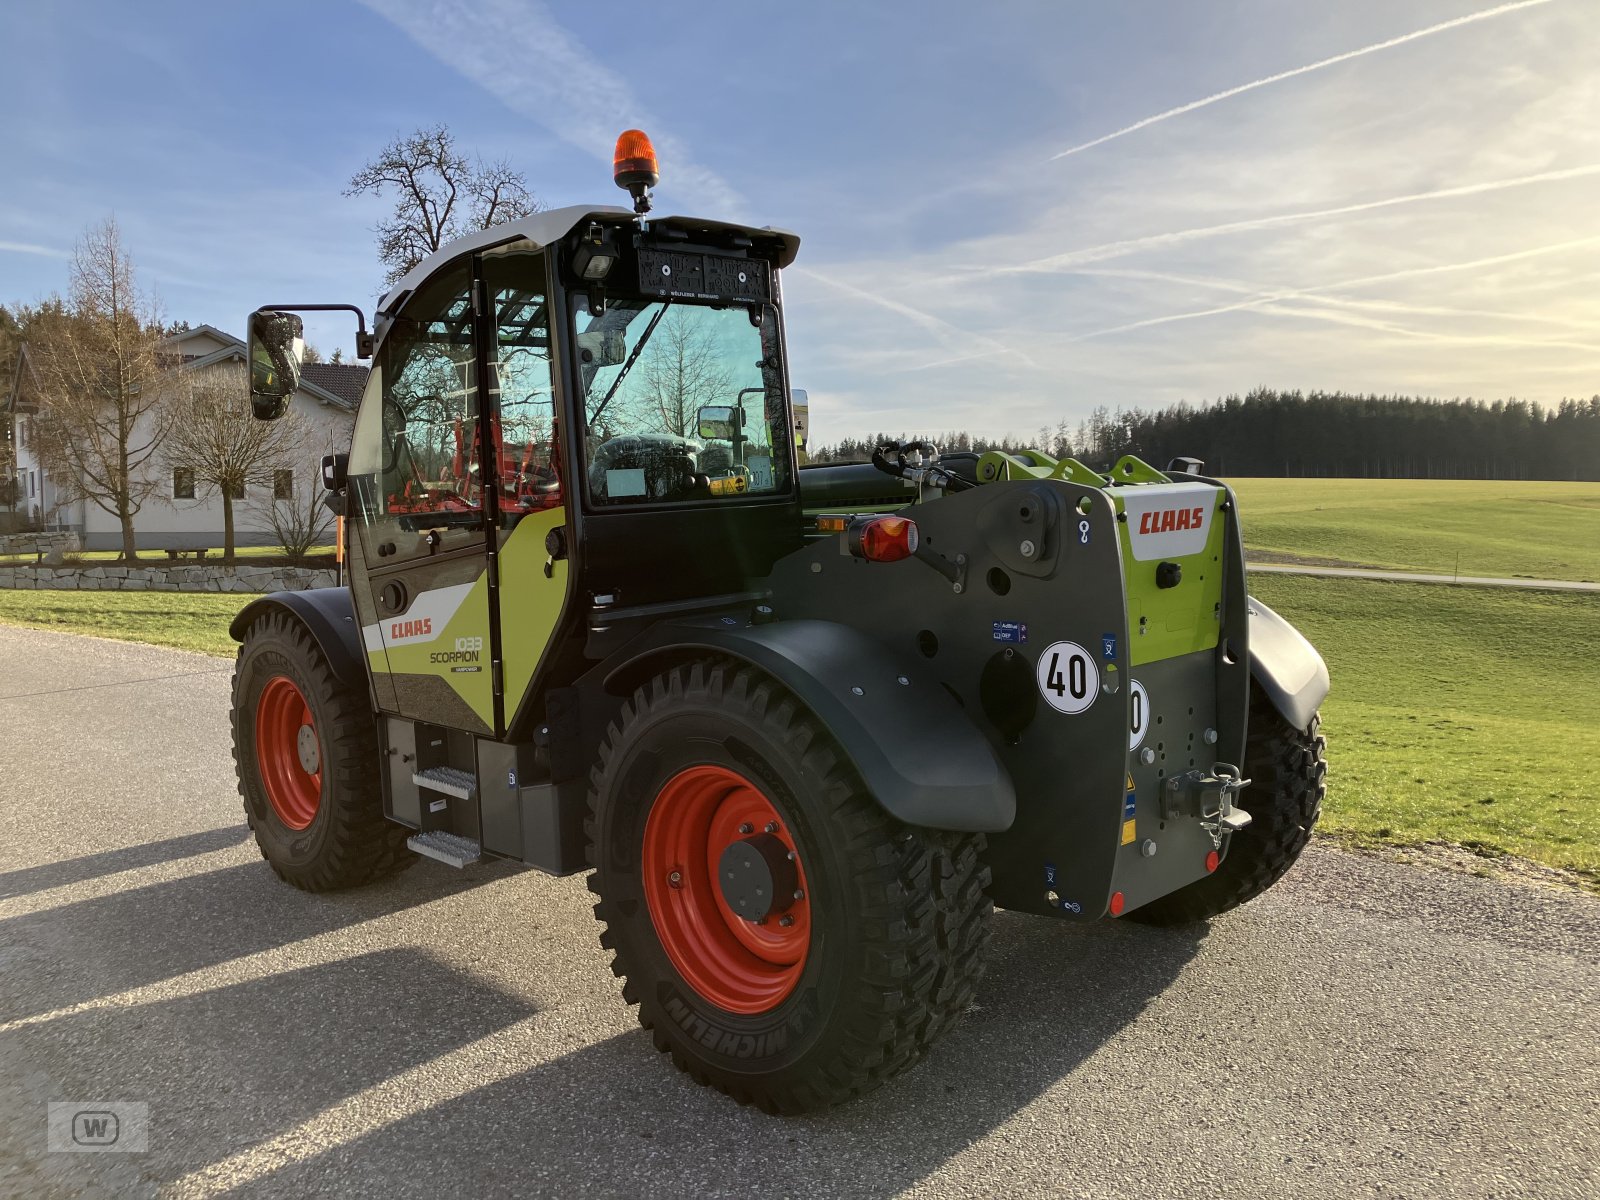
[545,228]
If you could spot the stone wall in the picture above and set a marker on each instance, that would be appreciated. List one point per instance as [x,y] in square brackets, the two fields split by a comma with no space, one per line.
[51,545]
[196,578]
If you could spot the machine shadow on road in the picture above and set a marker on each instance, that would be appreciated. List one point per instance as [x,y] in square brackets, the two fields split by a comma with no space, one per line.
[143,935]
[238,1064]
[92,866]
[616,1118]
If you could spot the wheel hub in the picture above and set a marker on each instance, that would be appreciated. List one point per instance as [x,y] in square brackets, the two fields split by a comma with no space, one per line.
[758,877]
[306,747]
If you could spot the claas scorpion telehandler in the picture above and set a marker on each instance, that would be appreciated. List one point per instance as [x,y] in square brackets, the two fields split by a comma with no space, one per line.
[805,727]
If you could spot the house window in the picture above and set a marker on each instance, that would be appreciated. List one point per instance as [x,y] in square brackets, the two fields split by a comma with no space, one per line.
[283,485]
[183,483]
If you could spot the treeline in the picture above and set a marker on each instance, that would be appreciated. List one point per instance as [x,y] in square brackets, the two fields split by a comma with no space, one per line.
[1270,433]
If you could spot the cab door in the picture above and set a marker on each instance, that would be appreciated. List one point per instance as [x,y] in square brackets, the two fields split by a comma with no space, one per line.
[416,469]
[528,495]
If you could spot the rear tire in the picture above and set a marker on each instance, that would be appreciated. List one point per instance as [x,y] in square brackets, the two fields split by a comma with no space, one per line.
[896,918]
[1288,771]
[322,829]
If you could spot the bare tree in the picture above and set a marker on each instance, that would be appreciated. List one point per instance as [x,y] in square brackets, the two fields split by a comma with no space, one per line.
[215,436]
[439,194]
[96,363]
[299,520]
[681,371]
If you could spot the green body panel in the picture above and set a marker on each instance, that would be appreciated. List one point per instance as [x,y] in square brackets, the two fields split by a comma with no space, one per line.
[1171,622]
[459,655]
[530,602]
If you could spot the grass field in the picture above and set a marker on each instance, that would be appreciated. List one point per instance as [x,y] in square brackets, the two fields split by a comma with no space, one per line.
[1458,714]
[1538,530]
[1464,715]
[184,620]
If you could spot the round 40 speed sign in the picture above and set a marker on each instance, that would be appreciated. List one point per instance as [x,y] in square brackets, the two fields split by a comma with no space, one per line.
[1069,677]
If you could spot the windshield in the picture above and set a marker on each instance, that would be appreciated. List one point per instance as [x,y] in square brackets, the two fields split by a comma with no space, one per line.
[683,401]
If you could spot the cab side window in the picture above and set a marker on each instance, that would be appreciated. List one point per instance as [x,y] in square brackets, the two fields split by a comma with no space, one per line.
[522,390]
[413,460]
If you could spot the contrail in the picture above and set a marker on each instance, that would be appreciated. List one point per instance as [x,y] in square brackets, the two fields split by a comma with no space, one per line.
[1305,70]
[1107,250]
[1282,294]
[935,325]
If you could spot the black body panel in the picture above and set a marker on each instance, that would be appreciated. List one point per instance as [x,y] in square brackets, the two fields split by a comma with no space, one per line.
[917,752]
[328,615]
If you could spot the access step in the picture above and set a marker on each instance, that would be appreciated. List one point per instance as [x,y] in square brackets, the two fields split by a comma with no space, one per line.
[463,785]
[446,847]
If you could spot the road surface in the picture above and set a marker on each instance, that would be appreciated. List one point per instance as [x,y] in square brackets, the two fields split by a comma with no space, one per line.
[1365,1029]
[1543,585]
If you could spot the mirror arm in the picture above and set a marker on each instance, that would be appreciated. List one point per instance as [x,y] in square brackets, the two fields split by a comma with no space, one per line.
[365,341]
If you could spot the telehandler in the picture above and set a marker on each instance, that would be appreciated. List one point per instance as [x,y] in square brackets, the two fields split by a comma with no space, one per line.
[805,727]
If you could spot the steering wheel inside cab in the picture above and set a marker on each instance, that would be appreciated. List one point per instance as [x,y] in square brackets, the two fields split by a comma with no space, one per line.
[641,468]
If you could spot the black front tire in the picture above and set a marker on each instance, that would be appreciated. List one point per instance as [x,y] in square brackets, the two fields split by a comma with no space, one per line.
[899,920]
[1288,770]
[348,842]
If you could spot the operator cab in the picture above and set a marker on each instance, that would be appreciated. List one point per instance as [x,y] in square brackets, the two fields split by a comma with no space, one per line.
[583,410]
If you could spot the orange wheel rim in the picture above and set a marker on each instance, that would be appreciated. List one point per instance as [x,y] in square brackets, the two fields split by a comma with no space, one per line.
[740,965]
[288,752]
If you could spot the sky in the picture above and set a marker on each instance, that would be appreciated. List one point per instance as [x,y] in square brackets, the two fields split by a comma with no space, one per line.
[1011,213]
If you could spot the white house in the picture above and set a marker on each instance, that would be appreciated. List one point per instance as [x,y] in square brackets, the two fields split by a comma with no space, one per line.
[179,515]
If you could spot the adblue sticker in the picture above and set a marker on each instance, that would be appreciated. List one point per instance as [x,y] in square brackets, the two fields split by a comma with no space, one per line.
[1069,677]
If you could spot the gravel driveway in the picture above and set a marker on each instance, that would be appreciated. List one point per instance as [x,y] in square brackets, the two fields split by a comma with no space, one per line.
[1364,1029]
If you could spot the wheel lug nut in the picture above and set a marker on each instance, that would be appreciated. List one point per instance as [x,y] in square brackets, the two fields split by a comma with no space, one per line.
[799,894]
[675,879]
[747,828]
[785,921]
[772,827]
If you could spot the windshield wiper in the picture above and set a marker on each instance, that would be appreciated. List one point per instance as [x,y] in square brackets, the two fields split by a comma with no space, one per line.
[628,366]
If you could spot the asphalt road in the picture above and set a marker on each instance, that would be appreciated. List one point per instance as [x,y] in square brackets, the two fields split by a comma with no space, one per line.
[1365,1029]
[1515,581]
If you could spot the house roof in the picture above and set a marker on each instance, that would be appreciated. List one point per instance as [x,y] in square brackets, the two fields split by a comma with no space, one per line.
[344,380]
[337,384]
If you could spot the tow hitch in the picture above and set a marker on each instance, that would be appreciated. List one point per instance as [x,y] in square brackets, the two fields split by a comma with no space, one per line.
[1207,795]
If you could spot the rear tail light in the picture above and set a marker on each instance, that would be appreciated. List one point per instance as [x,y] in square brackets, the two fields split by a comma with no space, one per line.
[883,539]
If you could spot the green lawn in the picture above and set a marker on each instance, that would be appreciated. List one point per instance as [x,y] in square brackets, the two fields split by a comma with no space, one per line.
[185,620]
[1540,530]
[159,557]
[1465,715]
[1457,714]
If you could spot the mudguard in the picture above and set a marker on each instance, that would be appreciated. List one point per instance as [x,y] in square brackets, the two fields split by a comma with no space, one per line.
[917,752]
[1285,666]
[329,616]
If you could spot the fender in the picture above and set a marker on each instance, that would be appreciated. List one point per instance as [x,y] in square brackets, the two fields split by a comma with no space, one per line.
[328,615]
[1285,666]
[917,752]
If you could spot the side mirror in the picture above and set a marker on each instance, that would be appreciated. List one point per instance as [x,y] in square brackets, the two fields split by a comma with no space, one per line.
[720,422]
[277,345]
[602,348]
[335,471]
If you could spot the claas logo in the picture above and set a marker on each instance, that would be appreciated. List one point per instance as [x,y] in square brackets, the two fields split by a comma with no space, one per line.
[1168,519]
[409,629]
